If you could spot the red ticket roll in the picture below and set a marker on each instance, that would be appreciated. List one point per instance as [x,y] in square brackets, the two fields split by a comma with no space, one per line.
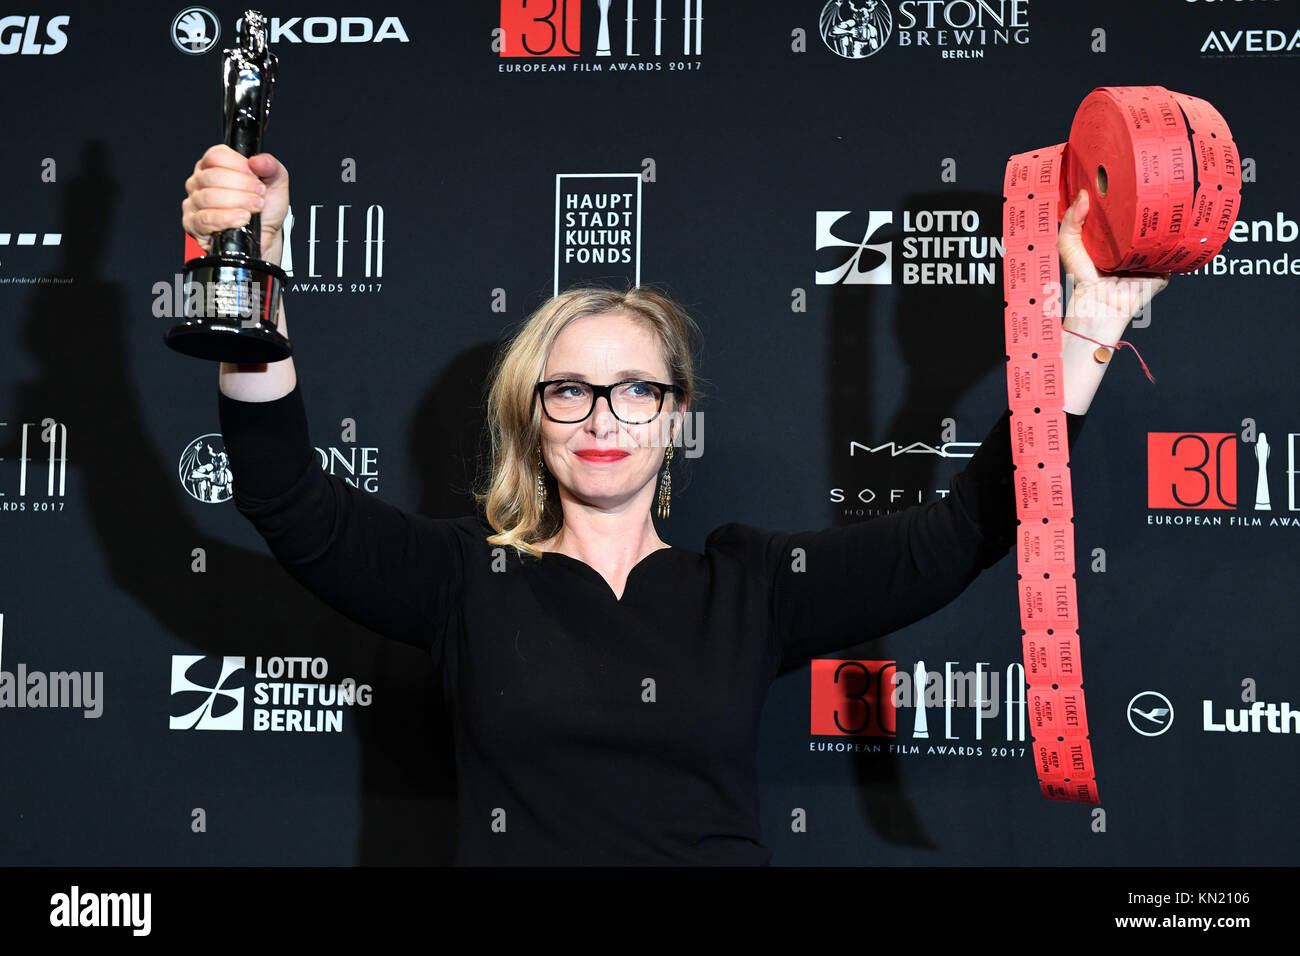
[1164,188]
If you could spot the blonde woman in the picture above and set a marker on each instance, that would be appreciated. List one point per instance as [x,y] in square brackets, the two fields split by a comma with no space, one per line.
[605,687]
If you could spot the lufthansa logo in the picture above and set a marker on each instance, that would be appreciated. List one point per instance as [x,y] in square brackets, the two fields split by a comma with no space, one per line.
[1150,713]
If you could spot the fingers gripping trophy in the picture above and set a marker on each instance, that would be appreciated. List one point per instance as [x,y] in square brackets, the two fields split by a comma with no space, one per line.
[232,294]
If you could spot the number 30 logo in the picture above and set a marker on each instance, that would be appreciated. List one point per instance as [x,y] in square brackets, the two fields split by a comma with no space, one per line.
[852,698]
[541,27]
[1192,470]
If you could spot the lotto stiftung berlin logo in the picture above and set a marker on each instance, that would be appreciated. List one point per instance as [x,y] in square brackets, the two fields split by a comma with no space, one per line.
[207,692]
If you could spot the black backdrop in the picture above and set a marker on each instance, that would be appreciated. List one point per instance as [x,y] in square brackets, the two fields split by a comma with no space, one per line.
[764,158]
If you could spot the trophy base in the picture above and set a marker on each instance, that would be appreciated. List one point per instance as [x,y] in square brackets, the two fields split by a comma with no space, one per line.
[231,306]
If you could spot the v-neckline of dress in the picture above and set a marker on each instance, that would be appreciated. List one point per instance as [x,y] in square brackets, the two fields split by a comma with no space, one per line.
[627,581]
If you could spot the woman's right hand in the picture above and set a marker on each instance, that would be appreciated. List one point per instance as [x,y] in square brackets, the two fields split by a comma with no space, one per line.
[223,193]
[227,188]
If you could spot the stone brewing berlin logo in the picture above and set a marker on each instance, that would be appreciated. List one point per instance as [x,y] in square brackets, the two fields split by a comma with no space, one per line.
[205,470]
[855,30]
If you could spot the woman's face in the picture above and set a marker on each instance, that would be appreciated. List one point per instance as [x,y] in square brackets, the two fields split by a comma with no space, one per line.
[604,349]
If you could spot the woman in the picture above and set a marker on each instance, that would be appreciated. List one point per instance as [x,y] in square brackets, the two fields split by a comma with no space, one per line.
[605,687]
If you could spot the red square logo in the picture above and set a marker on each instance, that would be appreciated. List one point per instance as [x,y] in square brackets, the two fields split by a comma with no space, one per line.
[1191,470]
[541,27]
[853,698]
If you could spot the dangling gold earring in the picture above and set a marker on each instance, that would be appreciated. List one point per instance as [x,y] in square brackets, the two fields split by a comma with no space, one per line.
[541,482]
[666,483]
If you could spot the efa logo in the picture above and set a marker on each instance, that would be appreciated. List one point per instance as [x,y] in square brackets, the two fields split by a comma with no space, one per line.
[551,28]
[1192,470]
[24,36]
[853,698]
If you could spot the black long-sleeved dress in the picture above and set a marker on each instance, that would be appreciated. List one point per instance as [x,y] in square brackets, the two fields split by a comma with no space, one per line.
[596,730]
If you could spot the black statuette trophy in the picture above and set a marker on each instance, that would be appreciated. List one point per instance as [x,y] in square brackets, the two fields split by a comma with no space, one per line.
[232,296]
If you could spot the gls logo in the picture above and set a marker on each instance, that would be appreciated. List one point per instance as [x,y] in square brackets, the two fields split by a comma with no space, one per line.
[19,35]
[879,254]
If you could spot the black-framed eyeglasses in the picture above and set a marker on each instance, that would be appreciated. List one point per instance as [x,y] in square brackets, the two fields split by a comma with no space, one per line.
[633,401]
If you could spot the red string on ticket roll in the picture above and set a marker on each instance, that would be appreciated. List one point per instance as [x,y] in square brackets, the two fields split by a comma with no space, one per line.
[1164,187]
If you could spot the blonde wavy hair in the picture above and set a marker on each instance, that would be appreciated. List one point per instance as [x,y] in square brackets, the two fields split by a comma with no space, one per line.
[508,478]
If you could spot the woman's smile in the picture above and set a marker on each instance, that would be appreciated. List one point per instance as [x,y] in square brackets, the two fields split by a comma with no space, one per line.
[601,455]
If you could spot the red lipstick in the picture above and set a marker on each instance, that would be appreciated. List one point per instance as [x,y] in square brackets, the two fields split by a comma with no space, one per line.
[601,455]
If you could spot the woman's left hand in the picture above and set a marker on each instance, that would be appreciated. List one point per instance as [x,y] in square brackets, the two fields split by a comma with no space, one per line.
[1102,304]
[1099,310]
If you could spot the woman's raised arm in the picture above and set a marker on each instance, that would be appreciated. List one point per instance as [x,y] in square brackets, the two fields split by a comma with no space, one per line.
[1099,310]
[224,191]
[394,572]
[839,587]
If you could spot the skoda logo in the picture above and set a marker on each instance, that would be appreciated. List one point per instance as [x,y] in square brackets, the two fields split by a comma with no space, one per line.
[196,30]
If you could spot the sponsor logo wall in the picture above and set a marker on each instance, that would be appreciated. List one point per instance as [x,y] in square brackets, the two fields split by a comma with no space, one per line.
[819,183]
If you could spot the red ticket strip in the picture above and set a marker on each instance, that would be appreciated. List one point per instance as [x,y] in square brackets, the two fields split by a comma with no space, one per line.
[1164,185]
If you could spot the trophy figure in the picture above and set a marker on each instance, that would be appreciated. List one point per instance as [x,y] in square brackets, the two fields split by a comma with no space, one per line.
[232,295]
[602,36]
[1262,499]
[919,679]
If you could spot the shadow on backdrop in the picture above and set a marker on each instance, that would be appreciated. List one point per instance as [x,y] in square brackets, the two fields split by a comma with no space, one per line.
[947,338]
[244,603]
